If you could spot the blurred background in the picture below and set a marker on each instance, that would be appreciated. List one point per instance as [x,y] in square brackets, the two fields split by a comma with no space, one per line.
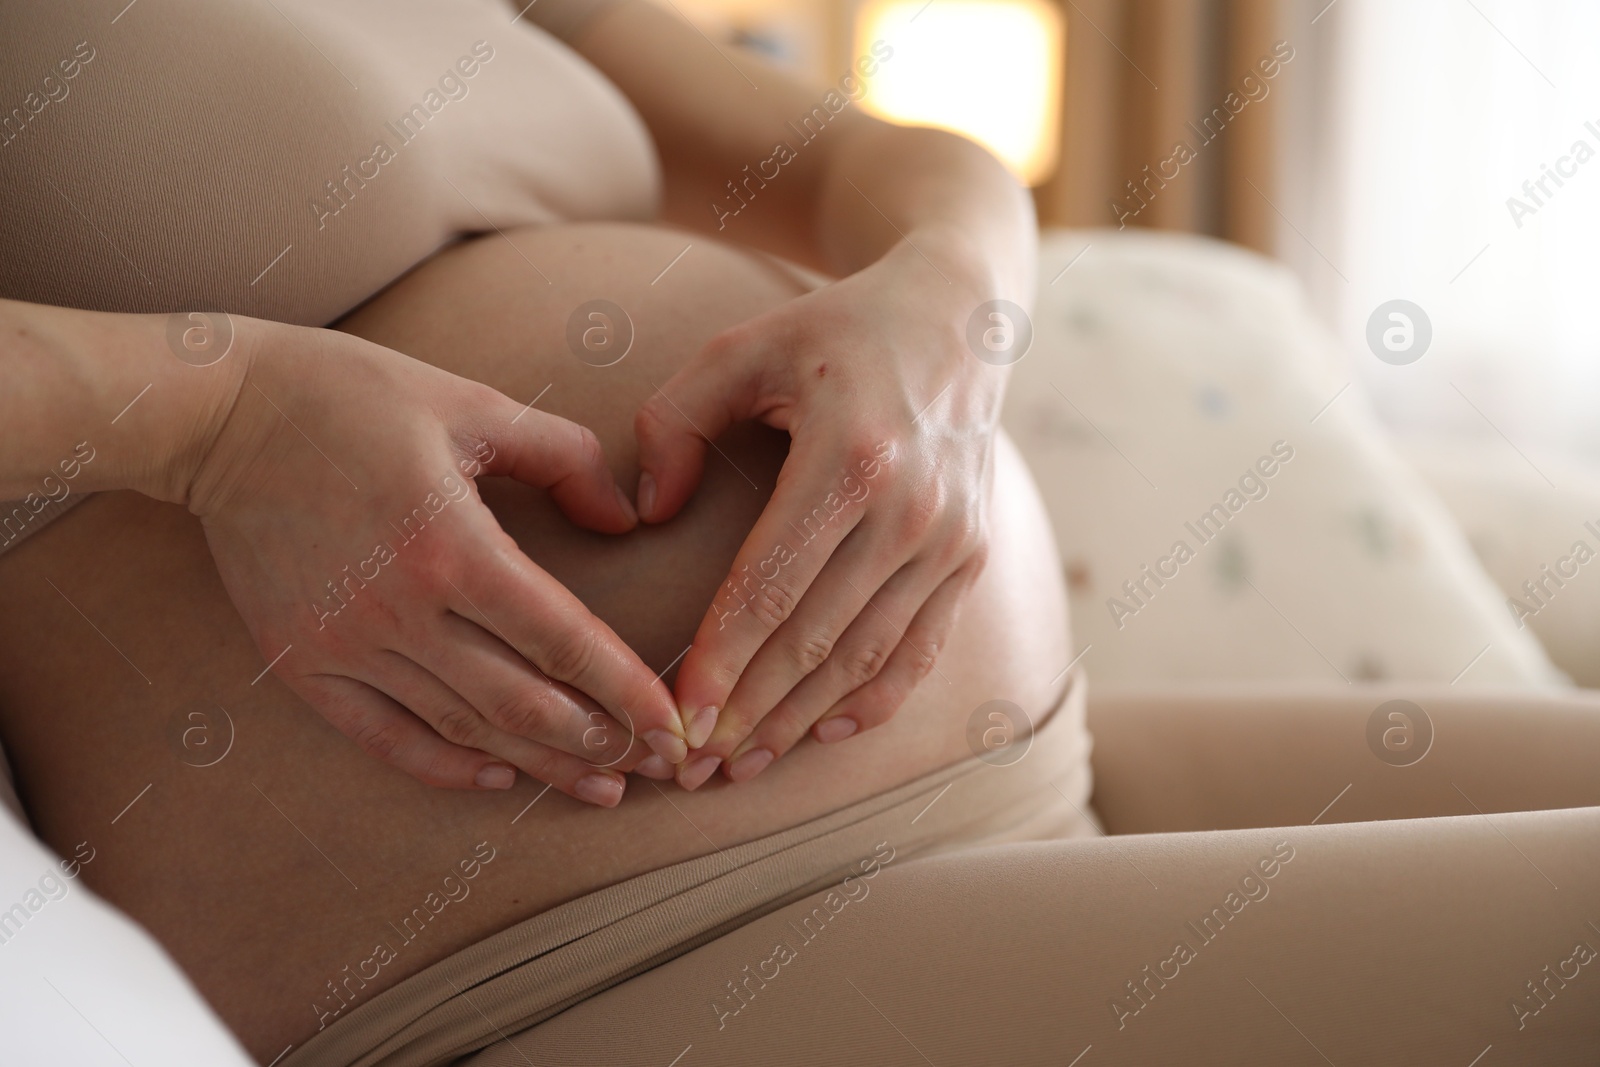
[1425,150]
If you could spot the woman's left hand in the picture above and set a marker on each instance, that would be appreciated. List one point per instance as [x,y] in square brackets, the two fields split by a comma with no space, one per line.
[847,588]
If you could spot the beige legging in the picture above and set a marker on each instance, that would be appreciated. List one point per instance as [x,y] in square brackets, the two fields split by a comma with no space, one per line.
[1456,931]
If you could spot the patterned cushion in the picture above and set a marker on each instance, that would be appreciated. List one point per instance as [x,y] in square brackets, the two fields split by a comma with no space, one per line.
[1227,508]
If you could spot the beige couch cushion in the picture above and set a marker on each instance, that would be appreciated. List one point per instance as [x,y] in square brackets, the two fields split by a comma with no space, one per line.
[1529,532]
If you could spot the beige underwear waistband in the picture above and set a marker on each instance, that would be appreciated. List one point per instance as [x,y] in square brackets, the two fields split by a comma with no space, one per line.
[1035,790]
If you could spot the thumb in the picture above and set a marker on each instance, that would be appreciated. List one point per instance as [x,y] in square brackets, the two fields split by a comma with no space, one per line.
[555,454]
[719,386]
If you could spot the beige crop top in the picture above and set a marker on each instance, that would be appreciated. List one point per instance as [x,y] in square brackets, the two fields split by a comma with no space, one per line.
[287,159]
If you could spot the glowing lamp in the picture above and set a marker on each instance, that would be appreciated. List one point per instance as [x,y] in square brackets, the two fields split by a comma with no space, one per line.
[987,69]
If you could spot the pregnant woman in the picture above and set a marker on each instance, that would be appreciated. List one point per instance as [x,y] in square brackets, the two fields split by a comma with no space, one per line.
[547,268]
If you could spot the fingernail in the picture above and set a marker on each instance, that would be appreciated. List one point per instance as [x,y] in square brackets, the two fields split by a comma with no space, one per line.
[750,764]
[700,726]
[656,767]
[695,772]
[496,776]
[601,789]
[626,505]
[647,495]
[835,729]
[668,746]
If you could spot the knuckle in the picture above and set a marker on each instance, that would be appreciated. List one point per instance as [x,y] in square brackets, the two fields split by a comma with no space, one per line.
[809,651]
[379,740]
[461,725]
[572,656]
[923,655]
[428,564]
[650,419]
[728,342]
[862,663]
[604,734]
[736,724]
[923,507]
[862,448]
[589,452]
[522,714]
[476,396]
[774,602]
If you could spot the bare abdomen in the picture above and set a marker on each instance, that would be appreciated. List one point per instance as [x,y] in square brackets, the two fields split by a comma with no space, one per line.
[269,869]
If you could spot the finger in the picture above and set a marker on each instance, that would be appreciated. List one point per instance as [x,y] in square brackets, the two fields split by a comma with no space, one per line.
[384,729]
[811,512]
[859,656]
[720,385]
[555,454]
[912,660]
[653,766]
[515,696]
[813,639]
[413,686]
[541,619]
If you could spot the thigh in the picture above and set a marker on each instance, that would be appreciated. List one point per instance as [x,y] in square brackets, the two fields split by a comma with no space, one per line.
[264,850]
[1410,941]
[1283,754]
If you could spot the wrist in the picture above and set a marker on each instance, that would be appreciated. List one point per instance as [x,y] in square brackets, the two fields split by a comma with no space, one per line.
[102,401]
[193,367]
[940,190]
[977,266]
[975,279]
[215,400]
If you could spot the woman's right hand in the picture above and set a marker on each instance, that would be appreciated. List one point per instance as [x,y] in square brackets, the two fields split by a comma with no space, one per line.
[337,497]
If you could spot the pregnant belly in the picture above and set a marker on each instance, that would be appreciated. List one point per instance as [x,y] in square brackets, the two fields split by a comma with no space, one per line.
[269,855]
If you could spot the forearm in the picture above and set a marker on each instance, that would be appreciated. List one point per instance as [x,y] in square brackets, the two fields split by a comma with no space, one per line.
[746,158]
[882,184]
[98,401]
